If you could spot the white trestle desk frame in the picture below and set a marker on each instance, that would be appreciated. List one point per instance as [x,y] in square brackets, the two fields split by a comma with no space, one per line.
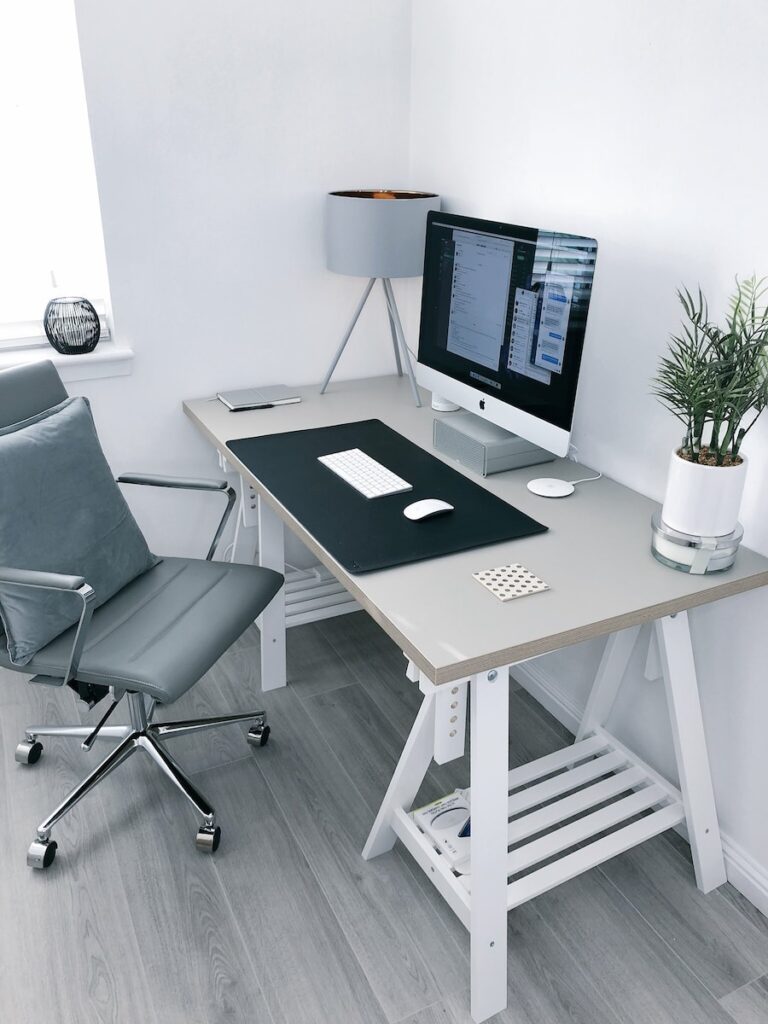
[461,643]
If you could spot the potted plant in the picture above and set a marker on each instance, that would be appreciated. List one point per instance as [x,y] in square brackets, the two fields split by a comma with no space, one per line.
[715,380]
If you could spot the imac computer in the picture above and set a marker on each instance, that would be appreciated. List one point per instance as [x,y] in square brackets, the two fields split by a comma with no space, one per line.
[503,317]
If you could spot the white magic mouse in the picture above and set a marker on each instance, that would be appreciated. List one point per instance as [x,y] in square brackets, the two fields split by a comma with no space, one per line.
[426,509]
[550,487]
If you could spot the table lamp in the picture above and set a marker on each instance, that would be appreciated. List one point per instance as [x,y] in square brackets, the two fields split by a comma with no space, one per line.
[378,234]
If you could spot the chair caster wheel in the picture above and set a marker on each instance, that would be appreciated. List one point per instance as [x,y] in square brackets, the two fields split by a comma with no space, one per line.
[208,838]
[29,752]
[41,853]
[258,735]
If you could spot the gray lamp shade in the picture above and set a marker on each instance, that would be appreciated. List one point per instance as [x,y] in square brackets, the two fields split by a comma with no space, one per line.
[377,232]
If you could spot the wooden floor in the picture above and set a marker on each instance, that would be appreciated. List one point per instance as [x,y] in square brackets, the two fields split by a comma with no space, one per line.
[287,924]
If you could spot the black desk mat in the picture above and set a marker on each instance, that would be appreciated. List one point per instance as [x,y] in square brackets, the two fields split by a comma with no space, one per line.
[365,534]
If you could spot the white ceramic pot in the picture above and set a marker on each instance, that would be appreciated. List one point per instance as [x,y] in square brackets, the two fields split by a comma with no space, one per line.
[703,500]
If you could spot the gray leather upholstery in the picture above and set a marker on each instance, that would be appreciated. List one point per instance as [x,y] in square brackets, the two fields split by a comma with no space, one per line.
[60,511]
[165,629]
[27,390]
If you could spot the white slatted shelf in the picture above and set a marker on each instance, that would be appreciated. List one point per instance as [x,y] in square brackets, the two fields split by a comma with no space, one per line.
[590,856]
[574,804]
[592,790]
[534,796]
[554,762]
[581,829]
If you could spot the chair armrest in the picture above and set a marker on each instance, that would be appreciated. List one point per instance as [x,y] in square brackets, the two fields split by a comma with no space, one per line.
[176,482]
[188,484]
[44,580]
[39,580]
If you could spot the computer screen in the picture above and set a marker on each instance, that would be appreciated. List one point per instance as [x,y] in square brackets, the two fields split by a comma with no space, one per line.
[504,311]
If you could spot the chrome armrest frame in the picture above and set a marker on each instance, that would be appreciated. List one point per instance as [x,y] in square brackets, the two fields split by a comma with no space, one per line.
[61,584]
[188,484]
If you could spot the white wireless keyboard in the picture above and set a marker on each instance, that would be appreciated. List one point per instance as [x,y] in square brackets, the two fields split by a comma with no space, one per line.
[365,474]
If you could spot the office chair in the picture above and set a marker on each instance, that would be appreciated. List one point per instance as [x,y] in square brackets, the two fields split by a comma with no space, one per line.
[147,644]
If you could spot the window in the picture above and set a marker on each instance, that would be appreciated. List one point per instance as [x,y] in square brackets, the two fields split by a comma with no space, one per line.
[50,225]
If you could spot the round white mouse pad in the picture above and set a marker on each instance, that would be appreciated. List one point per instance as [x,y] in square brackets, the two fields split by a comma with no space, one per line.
[510,581]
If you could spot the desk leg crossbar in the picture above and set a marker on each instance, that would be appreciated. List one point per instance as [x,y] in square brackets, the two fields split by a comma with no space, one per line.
[550,820]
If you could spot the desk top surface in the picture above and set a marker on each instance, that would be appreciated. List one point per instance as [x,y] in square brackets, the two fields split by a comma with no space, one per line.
[596,556]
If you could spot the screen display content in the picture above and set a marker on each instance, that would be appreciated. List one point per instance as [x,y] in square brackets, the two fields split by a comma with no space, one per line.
[504,310]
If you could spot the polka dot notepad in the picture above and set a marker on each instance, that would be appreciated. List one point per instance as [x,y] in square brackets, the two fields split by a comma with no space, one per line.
[510,581]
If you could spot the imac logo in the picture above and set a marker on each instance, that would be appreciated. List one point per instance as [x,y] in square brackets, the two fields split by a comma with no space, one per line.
[482,403]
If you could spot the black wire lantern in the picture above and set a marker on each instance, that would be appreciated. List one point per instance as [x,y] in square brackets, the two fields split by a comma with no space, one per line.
[72,325]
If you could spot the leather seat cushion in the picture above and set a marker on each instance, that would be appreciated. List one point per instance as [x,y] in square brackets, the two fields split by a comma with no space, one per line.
[166,628]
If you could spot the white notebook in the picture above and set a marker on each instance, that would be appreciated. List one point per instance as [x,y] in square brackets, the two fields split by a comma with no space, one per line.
[258,398]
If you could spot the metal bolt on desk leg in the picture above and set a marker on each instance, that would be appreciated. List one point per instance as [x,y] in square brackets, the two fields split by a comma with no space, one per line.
[492,675]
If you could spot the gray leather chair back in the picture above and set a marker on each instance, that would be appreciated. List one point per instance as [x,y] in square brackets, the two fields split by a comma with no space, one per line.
[27,390]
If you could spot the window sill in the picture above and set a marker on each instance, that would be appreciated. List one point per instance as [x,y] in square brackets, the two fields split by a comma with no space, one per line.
[107,360]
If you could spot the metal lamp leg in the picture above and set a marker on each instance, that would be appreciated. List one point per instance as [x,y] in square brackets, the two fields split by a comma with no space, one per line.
[393,332]
[395,316]
[345,339]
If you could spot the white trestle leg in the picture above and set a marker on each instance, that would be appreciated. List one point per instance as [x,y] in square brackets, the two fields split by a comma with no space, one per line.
[271,622]
[561,814]
[607,681]
[679,672]
[411,768]
[489,763]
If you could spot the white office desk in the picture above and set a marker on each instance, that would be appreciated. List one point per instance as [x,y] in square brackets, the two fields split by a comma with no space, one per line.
[462,641]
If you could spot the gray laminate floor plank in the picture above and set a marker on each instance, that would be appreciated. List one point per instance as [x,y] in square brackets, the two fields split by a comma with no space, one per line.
[713,939]
[197,963]
[67,944]
[407,955]
[308,971]
[377,664]
[313,664]
[745,908]
[749,1005]
[546,983]
[641,979]
[437,1013]
[365,742]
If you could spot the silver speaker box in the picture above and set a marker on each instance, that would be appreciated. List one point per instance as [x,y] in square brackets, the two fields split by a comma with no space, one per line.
[483,447]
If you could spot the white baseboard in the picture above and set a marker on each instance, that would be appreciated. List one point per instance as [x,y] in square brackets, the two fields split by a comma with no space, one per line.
[743,871]
[745,874]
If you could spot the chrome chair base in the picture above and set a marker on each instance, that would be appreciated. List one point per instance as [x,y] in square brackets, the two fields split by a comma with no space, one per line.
[144,735]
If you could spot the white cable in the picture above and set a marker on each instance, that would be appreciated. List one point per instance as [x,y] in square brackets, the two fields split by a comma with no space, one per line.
[585,479]
[573,456]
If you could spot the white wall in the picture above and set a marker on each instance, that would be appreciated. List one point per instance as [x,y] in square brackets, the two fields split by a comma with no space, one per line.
[640,125]
[217,129]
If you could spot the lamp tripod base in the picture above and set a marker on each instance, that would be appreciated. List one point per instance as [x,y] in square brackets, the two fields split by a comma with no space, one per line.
[402,355]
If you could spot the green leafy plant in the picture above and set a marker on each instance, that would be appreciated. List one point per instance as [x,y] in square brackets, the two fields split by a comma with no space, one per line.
[715,379]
